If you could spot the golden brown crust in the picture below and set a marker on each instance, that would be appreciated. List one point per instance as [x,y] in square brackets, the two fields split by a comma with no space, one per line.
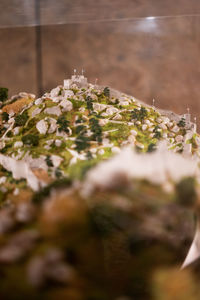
[42,175]
[17,106]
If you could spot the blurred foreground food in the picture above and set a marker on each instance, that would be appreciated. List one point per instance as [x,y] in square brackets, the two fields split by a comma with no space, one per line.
[99,197]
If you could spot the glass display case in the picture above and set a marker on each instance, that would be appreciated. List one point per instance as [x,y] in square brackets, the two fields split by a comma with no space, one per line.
[99,190]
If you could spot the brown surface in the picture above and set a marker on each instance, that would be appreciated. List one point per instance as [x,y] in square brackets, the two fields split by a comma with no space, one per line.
[17,57]
[17,106]
[146,58]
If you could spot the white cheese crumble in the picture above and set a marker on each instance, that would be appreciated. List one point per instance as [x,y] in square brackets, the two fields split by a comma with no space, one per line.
[93,150]
[131,139]
[18,144]
[66,104]
[158,167]
[82,109]
[54,92]
[101,152]
[115,150]
[133,132]
[111,110]
[163,126]
[175,129]
[20,169]
[55,110]
[53,125]
[147,122]
[58,143]
[11,120]
[103,122]
[123,102]
[16,130]
[76,156]
[138,122]
[179,138]
[99,106]
[16,192]
[188,135]
[38,101]
[42,126]
[144,127]
[139,145]
[68,93]
[36,111]
[117,117]
[56,160]
[3,179]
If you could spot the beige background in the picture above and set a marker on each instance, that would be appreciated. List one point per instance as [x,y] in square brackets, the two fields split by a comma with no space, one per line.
[148,58]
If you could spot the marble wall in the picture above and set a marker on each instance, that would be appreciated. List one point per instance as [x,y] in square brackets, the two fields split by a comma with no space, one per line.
[147,57]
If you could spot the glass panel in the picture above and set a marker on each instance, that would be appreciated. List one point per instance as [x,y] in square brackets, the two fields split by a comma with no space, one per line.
[34,12]
[148,58]
[65,11]
[148,50]
[17,13]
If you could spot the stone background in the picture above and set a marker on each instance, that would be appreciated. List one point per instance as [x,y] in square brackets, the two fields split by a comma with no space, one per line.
[113,40]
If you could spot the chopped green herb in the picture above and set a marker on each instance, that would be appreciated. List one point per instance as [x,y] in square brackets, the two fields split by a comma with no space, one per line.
[96,129]
[89,103]
[20,120]
[89,155]
[49,161]
[186,191]
[42,194]
[80,128]
[181,123]
[106,91]
[30,139]
[5,116]
[63,124]
[3,94]
[139,114]
[82,142]
[58,173]
[151,147]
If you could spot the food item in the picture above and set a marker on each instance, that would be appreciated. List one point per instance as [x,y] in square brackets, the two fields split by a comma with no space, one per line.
[97,192]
